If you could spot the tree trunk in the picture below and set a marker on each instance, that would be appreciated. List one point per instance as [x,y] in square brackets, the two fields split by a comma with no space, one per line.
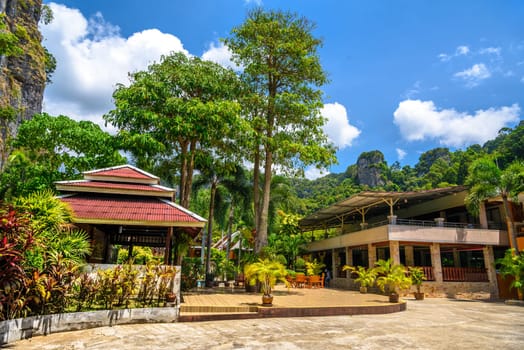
[261,240]
[190,168]
[509,222]
[183,173]
[230,227]
[210,224]
[256,188]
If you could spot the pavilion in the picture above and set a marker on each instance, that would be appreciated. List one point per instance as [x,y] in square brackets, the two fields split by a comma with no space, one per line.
[126,206]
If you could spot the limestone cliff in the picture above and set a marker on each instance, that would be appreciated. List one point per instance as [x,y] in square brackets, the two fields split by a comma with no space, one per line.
[369,169]
[22,75]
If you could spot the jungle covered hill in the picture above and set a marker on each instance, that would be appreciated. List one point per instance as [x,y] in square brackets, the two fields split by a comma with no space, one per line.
[438,167]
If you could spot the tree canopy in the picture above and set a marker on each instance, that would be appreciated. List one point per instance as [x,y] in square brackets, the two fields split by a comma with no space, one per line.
[48,149]
[176,110]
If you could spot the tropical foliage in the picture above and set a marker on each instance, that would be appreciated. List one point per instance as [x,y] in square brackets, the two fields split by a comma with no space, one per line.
[267,273]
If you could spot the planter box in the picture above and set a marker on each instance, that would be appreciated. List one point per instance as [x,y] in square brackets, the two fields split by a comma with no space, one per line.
[24,328]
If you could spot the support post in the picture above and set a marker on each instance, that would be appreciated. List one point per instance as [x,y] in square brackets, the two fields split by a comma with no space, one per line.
[436,262]
[167,253]
[372,255]
[349,260]
[394,251]
[489,263]
[410,255]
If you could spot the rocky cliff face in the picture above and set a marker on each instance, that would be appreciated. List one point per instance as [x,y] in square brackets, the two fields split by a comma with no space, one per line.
[22,76]
[369,169]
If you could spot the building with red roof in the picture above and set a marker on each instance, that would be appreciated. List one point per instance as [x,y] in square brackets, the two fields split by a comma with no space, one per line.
[126,206]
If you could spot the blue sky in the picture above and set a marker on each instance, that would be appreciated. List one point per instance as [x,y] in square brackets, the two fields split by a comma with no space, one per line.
[405,76]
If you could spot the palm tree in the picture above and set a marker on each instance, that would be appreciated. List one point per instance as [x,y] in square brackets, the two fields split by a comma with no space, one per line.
[486,180]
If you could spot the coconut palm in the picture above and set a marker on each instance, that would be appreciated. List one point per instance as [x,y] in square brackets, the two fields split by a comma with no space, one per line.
[486,180]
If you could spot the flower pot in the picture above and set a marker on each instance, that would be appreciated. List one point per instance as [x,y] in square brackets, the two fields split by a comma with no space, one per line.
[170,297]
[393,298]
[267,300]
[363,290]
[419,295]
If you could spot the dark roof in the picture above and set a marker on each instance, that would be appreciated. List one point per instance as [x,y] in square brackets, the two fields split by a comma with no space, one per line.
[372,202]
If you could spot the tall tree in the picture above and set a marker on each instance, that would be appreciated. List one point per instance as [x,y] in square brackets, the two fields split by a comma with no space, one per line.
[281,66]
[174,110]
[486,180]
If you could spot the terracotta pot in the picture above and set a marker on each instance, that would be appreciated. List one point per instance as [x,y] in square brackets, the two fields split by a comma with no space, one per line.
[419,295]
[267,300]
[363,290]
[393,298]
[170,297]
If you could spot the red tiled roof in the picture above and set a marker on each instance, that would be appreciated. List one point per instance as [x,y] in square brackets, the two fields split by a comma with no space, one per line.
[129,210]
[113,185]
[123,171]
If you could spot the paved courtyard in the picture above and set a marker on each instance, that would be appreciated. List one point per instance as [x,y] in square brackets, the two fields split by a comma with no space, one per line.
[429,324]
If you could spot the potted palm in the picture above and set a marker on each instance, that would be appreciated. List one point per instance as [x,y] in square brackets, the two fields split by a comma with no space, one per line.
[417,277]
[392,278]
[513,265]
[365,277]
[266,272]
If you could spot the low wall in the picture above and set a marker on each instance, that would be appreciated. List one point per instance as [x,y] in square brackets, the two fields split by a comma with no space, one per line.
[469,290]
[24,328]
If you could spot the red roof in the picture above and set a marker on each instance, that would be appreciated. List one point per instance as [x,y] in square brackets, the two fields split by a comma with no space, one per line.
[122,171]
[113,185]
[130,210]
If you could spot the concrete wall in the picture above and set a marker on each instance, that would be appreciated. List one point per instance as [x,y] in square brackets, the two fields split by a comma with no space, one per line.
[24,328]
[447,235]
[376,234]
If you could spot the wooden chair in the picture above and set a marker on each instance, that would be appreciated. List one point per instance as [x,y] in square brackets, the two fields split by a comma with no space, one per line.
[239,280]
[315,282]
[300,281]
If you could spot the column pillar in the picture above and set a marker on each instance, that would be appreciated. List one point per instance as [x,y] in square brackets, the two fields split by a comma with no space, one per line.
[394,251]
[333,264]
[489,263]
[456,257]
[349,260]
[436,262]
[483,217]
[372,255]
[410,256]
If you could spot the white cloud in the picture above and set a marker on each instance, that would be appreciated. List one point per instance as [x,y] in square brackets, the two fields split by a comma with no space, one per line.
[474,75]
[256,2]
[400,153]
[220,54]
[421,120]
[92,57]
[313,173]
[444,57]
[490,51]
[462,50]
[337,127]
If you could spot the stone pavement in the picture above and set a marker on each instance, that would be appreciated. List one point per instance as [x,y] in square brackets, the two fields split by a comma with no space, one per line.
[429,324]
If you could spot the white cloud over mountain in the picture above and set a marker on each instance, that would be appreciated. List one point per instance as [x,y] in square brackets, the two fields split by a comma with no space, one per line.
[421,120]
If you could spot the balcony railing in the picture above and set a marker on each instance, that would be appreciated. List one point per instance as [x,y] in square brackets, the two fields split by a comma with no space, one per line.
[428,223]
[464,274]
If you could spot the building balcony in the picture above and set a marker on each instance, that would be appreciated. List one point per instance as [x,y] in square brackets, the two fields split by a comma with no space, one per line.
[415,231]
